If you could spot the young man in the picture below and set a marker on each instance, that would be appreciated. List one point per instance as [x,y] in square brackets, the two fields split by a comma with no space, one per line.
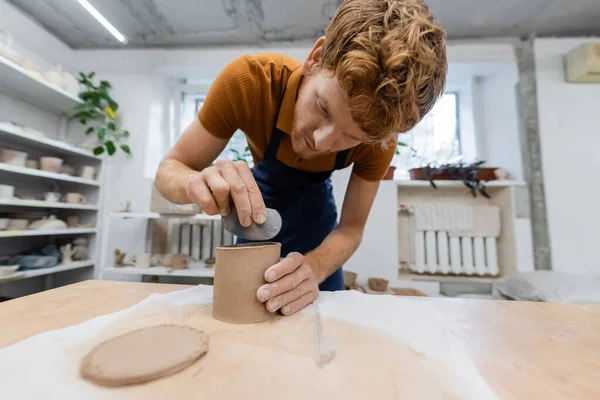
[379,69]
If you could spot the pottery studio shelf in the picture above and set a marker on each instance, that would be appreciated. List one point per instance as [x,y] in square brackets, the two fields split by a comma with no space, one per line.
[35,140]
[44,204]
[197,270]
[46,271]
[18,81]
[47,232]
[152,215]
[31,174]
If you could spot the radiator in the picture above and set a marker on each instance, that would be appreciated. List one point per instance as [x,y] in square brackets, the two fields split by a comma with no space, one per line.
[437,253]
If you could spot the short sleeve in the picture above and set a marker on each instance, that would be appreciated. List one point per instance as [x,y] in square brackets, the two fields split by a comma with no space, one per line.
[372,161]
[229,104]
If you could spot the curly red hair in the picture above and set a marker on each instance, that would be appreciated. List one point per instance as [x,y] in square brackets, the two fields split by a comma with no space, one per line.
[389,56]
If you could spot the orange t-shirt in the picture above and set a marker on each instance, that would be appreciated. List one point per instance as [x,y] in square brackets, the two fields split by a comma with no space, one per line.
[246,96]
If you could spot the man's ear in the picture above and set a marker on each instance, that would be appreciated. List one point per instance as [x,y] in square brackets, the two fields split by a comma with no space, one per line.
[314,57]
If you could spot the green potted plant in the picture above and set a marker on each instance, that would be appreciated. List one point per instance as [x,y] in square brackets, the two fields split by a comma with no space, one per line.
[471,174]
[98,106]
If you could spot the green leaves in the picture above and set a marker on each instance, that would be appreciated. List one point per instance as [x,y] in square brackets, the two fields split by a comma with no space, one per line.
[110,147]
[100,107]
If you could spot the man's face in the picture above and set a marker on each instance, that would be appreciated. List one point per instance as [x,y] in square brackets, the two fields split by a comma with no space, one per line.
[322,121]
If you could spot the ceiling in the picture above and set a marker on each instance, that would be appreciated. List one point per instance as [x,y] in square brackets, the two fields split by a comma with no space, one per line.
[183,23]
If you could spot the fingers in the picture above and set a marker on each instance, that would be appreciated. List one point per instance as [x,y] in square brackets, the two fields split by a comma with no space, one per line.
[284,267]
[199,193]
[257,204]
[219,187]
[288,283]
[237,190]
[285,300]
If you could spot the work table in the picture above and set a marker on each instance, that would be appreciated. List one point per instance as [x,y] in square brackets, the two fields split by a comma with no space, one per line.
[521,349]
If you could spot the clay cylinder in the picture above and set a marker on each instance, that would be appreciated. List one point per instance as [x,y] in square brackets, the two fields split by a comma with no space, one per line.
[239,272]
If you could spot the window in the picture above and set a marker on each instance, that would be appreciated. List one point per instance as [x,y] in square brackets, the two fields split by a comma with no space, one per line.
[435,139]
[236,149]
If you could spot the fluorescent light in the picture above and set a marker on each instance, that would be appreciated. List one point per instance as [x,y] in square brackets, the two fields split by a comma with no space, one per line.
[100,18]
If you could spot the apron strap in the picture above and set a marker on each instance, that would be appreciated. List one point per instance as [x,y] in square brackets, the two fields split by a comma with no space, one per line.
[340,159]
[273,144]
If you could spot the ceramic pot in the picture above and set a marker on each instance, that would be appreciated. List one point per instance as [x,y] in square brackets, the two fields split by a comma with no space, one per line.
[31,164]
[7,192]
[3,223]
[180,261]
[17,224]
[13,157]
[52,197]
[75,198]
[350,279]
[50,164]
[239,272]
[389,174]
[67,170]
[87,172]
[73,221]
[378,284]
[142,260]
[48,223]
[70,83]
[54,76]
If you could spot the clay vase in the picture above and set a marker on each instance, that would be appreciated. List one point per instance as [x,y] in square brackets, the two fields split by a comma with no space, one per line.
[378,284]
[239,272]
[180,261]
[50,164]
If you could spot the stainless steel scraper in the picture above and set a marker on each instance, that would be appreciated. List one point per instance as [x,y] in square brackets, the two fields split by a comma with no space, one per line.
[265,231]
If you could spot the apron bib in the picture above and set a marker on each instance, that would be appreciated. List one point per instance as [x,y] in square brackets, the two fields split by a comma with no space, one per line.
[304,200]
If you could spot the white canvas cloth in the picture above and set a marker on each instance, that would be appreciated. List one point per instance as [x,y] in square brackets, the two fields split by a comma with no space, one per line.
[41,367]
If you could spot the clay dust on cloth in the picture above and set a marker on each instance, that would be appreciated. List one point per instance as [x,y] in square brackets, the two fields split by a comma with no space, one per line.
[387,348]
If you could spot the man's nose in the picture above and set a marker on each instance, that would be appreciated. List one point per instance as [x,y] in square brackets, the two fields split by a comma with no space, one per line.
[324,138]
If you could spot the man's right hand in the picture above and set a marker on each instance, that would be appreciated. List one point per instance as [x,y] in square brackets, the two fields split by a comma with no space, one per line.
[215,187]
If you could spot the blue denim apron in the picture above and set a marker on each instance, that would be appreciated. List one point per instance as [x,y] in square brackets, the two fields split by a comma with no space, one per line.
[304,200]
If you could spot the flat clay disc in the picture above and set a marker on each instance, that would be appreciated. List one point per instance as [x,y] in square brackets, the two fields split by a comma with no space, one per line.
[144,355]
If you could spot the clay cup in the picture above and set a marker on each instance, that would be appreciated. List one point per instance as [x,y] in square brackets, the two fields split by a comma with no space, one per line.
[239,272]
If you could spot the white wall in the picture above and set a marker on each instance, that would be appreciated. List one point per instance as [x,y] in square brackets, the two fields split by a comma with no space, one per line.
[569,117]
[498,123]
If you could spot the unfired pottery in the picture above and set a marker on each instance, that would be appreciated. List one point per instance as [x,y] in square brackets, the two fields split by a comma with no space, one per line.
[50,164]
[180,261]
[50,222]
[119,258]
[73,221]
[17,224]
[87,172]
[80,249]
[6,48]
[54,76]
[13,157]
[239,272]
[3,223]
[142,260]
[350,279]
[67,254]
[52,197]
[70,83]
[67,170]
[378,284]
[75,198]
[7,192]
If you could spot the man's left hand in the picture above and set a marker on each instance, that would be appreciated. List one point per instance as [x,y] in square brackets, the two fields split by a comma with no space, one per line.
[291,285]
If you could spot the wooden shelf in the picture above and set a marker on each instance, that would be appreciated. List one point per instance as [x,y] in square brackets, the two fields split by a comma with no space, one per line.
[34,89]
[150,215]
[44,204]
[47,232]
[197,270]
[46,271]
[36,173]
[22,137]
